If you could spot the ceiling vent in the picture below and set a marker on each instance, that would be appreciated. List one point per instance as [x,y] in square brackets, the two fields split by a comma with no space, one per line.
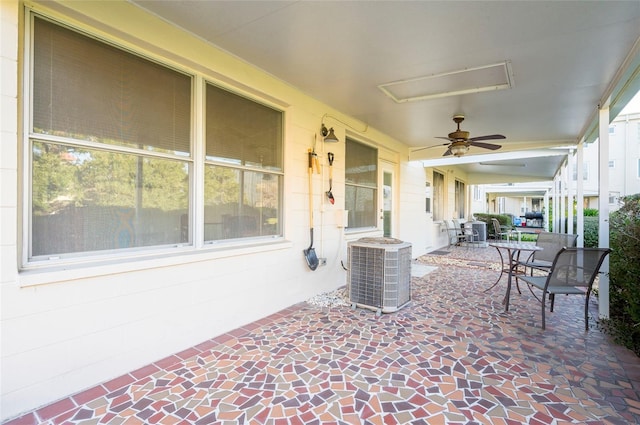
[497,76]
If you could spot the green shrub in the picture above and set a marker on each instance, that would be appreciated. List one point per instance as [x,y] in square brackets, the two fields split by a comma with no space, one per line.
[590,212]
[624,275]
[591,226]
[504,219]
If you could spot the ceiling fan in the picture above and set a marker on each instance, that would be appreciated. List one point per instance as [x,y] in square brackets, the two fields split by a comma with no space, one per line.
[460,140]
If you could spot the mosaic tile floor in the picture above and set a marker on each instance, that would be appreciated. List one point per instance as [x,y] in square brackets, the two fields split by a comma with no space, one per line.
[452,356]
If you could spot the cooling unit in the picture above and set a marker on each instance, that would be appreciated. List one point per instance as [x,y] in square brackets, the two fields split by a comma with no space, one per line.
[379,276]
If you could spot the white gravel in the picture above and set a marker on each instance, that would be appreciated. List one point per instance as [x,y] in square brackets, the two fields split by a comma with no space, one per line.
[336,298]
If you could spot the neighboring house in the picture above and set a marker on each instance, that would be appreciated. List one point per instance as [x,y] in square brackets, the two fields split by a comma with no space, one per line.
[624,162]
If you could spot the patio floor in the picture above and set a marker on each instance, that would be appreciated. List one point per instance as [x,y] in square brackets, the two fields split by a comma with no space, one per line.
[452,356]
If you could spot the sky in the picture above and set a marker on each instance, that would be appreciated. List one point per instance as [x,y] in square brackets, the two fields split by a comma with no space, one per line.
[633,106]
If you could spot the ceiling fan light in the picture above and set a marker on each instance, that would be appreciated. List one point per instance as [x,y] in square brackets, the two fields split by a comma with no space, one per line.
[459,149]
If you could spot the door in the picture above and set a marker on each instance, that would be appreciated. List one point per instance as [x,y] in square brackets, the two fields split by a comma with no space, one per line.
[387,210]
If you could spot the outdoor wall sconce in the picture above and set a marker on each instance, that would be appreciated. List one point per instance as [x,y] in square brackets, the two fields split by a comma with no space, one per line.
[329,136]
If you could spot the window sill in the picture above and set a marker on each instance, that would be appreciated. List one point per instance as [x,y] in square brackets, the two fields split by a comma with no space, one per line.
[42,274]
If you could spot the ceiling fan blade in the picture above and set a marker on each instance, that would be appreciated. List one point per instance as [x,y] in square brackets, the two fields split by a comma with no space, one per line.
[429,147]
[447,153]
[485,145]
[489,137]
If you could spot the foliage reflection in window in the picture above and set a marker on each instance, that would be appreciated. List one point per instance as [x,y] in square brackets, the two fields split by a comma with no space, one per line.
[243,172]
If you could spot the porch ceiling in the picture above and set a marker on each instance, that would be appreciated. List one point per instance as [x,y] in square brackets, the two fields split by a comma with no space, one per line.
[564,59]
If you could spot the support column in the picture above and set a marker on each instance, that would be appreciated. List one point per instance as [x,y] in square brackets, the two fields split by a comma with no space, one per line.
[570,189]
[563,198]
[545,216]
[580,194]
[603,208]
[555,205]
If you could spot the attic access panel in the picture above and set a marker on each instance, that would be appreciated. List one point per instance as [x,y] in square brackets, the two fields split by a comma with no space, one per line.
[496,76]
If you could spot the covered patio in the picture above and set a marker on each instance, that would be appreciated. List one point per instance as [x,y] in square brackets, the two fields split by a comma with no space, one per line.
[451,356]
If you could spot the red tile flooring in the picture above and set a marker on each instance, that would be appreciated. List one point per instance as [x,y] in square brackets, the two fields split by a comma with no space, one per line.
[452,356]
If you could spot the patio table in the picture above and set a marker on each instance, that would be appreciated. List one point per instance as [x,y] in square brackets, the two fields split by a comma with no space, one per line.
[513,250]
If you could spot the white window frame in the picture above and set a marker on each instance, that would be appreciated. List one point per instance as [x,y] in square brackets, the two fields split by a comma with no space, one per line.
[439,196]
[81,264]
[375,187]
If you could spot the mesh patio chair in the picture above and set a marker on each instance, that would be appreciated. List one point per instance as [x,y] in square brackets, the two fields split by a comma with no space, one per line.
[456,233]
[498,232]
[572,272]
[551,243]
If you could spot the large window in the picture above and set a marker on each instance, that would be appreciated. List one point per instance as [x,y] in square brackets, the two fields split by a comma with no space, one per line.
[361,184]
[243,174]
[110,157]
[438,196]
[460,201]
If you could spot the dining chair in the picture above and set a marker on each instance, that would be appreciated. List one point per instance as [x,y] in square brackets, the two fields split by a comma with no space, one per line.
[497,230]
[572,272]
[455,232]
[551,243]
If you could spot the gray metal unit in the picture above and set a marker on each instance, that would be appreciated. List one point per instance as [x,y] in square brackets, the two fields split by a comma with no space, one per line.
[481,228]
[379,276]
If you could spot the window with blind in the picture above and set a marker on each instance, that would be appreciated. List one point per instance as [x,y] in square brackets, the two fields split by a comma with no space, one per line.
[460,199]
[111,161]
[361,184]
[243,171]
[438,196]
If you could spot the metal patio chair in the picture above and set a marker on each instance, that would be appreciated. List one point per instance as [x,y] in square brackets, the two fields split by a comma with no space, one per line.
[498,232]
[551,243]
[455,233]
[572,272]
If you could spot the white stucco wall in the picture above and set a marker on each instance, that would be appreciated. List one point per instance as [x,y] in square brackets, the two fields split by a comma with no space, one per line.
[64,330]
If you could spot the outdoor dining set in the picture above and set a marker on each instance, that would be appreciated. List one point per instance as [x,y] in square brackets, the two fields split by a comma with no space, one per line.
[550,266]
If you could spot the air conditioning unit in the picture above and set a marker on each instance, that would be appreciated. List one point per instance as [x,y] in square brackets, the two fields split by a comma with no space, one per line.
[379,276]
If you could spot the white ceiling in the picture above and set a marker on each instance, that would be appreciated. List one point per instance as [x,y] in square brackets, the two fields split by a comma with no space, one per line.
[564,57]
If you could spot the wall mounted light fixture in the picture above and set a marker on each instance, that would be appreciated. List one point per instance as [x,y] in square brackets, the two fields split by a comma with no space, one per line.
[329,135]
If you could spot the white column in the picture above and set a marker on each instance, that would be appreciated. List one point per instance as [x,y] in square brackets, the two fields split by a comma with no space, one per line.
[545,216]
[554,204]
[580,194]
[563,198]
[603,208]
[570,189]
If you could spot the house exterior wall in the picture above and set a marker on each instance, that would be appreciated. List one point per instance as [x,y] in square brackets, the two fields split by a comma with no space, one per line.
[67,329]
[436,228]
